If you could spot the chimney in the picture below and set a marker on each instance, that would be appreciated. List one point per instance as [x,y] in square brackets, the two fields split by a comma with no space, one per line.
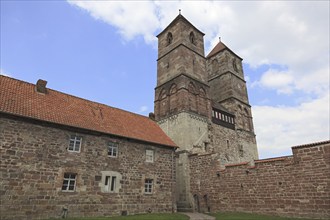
[152,116]
[41,86]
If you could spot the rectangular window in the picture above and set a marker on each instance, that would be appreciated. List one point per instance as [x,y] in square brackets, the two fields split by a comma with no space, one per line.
[148,186]
[112,149]
[213,114]
[110,183]
[75,143]
[149,156]
[69,182]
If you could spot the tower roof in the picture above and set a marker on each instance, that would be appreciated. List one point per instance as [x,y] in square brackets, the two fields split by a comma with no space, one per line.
[24,100]
[220,47]
[178,18]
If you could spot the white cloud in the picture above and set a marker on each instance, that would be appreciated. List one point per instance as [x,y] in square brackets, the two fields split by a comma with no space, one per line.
[279,80]
[294,34]
[132,18]
[143,109]
[279,128]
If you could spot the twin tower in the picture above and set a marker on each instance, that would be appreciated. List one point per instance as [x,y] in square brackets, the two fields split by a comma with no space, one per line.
[201,102]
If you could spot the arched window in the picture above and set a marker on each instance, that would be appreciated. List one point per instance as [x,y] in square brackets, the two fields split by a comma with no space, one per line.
[192,38]
[173,89]
[169,38]
[191,88]
[173,99]
[235,65]
[202,92]
[162,94]
[192,97]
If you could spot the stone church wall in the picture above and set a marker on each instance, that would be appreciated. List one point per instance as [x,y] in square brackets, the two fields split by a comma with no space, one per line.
[34,159]
[233,146]
[176,128]
[296,185]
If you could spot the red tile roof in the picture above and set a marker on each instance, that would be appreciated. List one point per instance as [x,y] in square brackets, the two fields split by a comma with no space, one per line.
[21,99]
[220,47]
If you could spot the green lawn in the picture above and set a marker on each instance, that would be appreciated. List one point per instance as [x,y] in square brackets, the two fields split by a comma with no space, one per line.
[174,216]
[246,216]
[179,216]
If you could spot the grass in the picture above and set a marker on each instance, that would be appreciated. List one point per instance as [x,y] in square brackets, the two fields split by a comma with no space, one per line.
[163,216]
[246,216]
[179,216]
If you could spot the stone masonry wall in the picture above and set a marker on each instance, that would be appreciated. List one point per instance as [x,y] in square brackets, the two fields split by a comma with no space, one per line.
[34,159]
[296,185]
[233,146]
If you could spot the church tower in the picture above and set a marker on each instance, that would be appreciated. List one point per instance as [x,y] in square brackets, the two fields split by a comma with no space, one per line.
[201,103]
[227,84]
[182,103]
[230,103]
[182,92]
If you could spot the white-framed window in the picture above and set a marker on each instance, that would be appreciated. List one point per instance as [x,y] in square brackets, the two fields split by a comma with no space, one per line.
[75,143]
[69,182]
[113,149]
[110,183]
[149,156]
[148,184]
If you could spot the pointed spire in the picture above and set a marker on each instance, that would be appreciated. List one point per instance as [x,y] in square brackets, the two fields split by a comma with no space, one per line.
[219,39]
[179,11]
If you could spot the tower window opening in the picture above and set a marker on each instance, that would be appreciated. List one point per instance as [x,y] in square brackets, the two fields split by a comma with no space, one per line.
[192,37]
[169,38]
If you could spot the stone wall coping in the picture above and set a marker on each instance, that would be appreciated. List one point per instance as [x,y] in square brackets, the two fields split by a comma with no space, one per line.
[272,159]
[311,144]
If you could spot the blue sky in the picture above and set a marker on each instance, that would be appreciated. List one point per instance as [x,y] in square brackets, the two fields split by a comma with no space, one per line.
[106,51]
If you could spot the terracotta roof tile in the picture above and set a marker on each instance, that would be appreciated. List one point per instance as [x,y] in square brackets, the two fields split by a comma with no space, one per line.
[21,99]
[220,47]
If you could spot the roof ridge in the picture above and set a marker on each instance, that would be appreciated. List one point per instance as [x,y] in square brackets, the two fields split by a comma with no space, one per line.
[77,97]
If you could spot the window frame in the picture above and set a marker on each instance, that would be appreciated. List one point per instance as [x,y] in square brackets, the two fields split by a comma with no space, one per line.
[148,186]
[69,180]
[149,155]
[110,184]
[74,140]
[112,147]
